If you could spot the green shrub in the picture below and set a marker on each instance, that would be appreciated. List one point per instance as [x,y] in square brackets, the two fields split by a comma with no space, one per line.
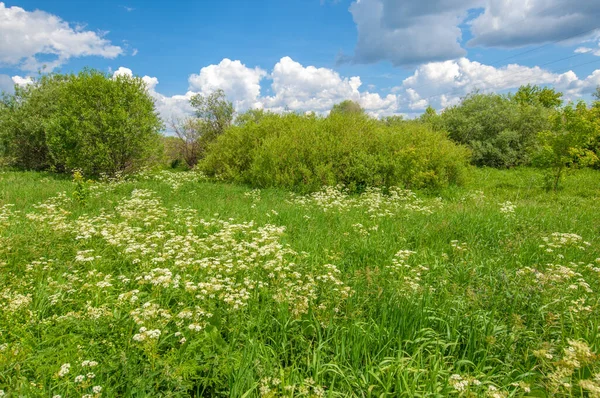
[89,121]
[22,123]
[103,125]
[567,143]
[304,153]
[502,132]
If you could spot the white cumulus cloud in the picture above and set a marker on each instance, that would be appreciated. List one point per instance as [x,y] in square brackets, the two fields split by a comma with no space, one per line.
[169,107]
[311,89]
[443,83]
[240,83]
[516,23]
[409,32]
[27,35]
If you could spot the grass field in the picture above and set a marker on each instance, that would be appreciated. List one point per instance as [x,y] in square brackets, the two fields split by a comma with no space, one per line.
[170,285]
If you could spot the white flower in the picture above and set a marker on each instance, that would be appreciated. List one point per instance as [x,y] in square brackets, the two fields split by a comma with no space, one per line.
[79,378]
[64,369]
[97,389]
[195,327]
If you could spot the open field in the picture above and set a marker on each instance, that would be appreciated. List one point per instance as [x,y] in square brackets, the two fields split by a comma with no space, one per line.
[171,286]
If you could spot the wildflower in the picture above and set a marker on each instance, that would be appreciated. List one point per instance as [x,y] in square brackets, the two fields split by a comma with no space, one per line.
[97,389]
[64,369]
[79,379]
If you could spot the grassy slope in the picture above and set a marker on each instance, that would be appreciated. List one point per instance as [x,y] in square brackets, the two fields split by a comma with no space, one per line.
[472,313]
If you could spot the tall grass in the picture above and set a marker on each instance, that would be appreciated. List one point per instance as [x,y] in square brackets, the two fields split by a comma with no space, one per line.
[177,286]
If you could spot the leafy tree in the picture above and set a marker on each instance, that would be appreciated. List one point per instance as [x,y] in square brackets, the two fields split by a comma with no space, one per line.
[501,132]
[251,116]
[347,107]
[189,145]
[102,124]
[536,95]
[597,93]
[570,133]
[23,116]
[214,115]
[396,120]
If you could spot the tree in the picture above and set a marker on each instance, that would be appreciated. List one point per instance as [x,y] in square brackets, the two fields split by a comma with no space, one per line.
[23,117]
[597,93]
[347,107]
[189,145]
[501,132]
[214,115]
[251,116]
[566,142]
[536,95]
[102,124]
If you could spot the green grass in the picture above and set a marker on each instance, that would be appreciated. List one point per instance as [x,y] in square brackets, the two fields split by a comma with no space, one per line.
[479,308]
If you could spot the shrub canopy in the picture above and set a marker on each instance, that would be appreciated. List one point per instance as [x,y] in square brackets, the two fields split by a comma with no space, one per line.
[87,121]
[501,131]
[305,152]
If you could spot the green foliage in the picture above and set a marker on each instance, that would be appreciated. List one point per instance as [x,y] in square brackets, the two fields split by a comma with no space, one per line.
[103,124]
[502,133]
[396,120]
[214,113]
[566,143]
[189,143]
[81,191]
[251,115]
[593,143]
[304,153]
[88,121]
[23,119]
[348,107]
[536,95]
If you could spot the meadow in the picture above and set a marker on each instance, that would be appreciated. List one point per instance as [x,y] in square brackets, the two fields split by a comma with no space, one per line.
[168,284]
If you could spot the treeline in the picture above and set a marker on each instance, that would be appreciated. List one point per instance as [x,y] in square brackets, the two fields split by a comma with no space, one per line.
[532,127]
[101,124]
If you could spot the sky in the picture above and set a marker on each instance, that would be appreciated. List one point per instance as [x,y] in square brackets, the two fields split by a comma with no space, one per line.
[394,57]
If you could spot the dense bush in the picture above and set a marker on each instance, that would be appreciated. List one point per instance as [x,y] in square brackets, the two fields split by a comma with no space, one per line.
[502,131]
[571,142]
[87,121]
[23,116]
[306,152]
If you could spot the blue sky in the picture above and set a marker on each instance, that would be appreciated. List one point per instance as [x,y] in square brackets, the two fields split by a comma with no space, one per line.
[392,56]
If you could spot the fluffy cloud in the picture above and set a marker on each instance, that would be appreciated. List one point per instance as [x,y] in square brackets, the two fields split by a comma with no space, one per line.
[299,88]
[27,35]
[515,23]
[443,83]
[22,81]
[169,108]
[409,32]
[415,32]
[240,83]
[293,86]
[8,83]
[311,89]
